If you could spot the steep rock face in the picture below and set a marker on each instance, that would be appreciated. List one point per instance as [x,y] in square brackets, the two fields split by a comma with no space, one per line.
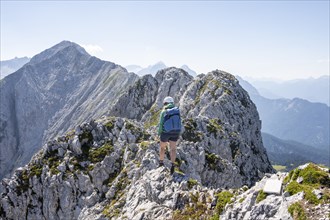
[109,168]
[220,117]
[57,89]
[224,112]
[149,92]
[137,100]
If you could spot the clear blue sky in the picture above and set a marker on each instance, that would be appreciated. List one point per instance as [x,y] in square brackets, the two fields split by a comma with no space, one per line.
[254,38]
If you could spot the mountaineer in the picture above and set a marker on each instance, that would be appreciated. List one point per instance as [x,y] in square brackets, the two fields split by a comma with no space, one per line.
[169,130]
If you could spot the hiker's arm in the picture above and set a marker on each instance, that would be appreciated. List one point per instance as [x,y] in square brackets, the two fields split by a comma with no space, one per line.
[161,121]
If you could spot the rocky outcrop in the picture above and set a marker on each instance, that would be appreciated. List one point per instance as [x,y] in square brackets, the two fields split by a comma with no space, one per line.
[58,89]
[149,92]
[218,114]
[109,168]
[305,194]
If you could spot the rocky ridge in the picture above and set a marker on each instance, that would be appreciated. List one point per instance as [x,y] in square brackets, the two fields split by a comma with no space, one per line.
[217,110]
[109,168]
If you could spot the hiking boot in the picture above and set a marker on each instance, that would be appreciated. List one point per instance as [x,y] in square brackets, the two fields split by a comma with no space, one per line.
[172,168]
[161,164]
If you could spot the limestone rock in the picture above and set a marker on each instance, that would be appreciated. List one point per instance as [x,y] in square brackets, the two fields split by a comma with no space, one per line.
[58,89]
[108,168]
[273,186]
[254,204]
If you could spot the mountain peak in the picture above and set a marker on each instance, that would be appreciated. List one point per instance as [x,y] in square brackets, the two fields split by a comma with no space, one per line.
[159,63]
[71,46]
[187,69]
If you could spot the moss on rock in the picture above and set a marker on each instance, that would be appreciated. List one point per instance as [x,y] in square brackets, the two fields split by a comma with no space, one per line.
[214,126]
[211,160]
[97,155]
[261,196]
[190,132]
[154,117]
[223,198]
[191,183]
[312,178]
[297,211]
[194,210]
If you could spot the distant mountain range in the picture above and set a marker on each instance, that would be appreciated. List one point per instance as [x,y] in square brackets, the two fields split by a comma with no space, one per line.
[311,89]
[292,119]
[10,66]
[292,154]
[153,69]
[294,131]
[304,123]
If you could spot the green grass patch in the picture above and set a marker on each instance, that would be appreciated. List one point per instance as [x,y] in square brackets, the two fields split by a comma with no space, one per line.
[297,211]
[69,135]
[36,170]
[224,198]
[245,188]
[241,199]
[178,171]
[86,135]
[288,177]
[313,178]
[279,167]
[23,183]
[295,187]
[53,164]
[144,145]
[94,155]
[191,183]
[314,175]
[97,155]
[194,210]
[140,134]
[212,160]
[214,126]
[190,131]
[110,124]
[200,92]
[154,117]
[261,196]
[190,212]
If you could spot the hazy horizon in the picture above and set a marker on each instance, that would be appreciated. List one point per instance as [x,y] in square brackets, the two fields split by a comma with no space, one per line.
[279,40]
